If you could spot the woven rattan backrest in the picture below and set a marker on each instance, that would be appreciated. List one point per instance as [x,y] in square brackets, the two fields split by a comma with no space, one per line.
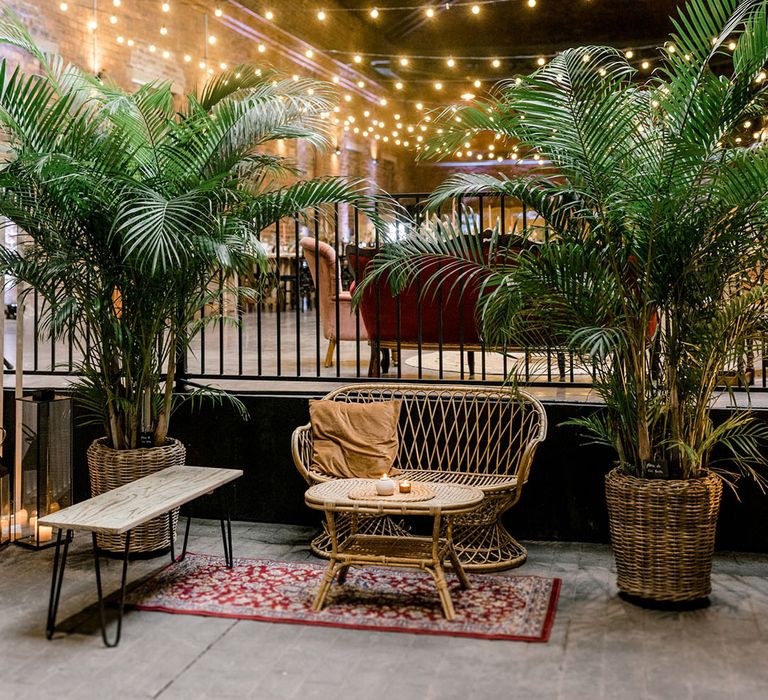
[482,430]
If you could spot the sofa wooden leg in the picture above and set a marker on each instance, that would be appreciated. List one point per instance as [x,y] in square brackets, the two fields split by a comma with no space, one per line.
[471,363]
[373,363]
[329,354]
[385,361]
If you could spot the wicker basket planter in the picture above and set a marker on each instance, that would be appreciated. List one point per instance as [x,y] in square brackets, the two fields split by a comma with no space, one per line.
[110,468]
[663,535]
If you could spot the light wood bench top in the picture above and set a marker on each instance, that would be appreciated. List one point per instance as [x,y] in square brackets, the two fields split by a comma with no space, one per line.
[125,507]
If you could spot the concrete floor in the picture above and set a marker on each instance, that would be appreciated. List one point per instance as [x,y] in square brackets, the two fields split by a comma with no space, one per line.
[601,646]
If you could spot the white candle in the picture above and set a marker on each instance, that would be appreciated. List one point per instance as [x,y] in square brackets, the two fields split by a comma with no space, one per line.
[44,533]
[21,517]
[385,486]
[33,523]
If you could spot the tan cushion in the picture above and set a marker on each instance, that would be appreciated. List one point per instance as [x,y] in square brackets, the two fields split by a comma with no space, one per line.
[354,439]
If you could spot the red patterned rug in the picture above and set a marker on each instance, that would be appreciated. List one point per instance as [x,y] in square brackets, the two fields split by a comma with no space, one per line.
[392,600]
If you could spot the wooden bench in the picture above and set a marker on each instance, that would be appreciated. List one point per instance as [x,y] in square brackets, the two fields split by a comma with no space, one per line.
[482,436]
[118,511]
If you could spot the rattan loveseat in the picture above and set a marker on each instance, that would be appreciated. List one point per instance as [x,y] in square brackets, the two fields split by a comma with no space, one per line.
[477,435]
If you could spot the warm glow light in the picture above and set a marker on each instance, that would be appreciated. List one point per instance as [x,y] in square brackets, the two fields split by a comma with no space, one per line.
[116,3]
[269,15]
[732,45]
[451,63]
[166,54]
[202,65]
[466,96]
[383,103]
[152,48]
[629,54]
[348,98]
[223,66]
[419,106]
[477,83]
[92,26]
[321,16]
[218,12]
[163,30]
[120,40]
[63,6]
[475,9]
[541,61]
[496,63]
[531,3]
[672,48]
[130,42]
[430,12]
[398,85]
[374,13]
[336,79]
[438,86]
[361,83]
[262,48]
[165,7]
[645,65]
[586,58]
[212,39]
[309,53]
[358,58]
[187,58]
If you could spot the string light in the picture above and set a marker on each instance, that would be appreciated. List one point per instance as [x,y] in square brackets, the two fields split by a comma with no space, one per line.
[404,61]
[475,9]
[63,6]
[211,39]
[262,48]
[374,13]
[165,7]
[451,63]
[358,58]
[113,19]
[218,12]
[309,53]
[321,16]
[269,15]
[92,26]
[163,30]
[116,3]
[540,61]
[495,62]
[645,65]
[531,3]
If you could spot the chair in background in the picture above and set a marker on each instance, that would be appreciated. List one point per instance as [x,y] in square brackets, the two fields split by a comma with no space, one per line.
[327,270]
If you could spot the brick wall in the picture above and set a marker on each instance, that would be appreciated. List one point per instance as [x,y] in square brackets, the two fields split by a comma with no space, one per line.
[240,33]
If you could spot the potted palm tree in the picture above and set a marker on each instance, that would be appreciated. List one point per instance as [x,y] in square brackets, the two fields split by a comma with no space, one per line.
[135,213]
[655,197]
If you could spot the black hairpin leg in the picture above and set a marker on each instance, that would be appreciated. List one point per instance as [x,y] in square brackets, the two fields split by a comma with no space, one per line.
[102,610]
[186,539]
[170,536]
[59,563]
[226,534]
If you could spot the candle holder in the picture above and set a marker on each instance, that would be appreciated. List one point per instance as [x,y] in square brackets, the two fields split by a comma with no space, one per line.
[44,468]
[5,499]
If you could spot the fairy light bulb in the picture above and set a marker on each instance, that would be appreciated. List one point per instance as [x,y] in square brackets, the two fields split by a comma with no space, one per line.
[166,7]
[166,54]
[398,85]
[645,65]
[201,65]
[358,58]
[383,103]
[116,3]
[475,9]
[419,106]
[92,26]
[262,48]
[321,16]
[152,48]
[269,15]
[404,61]
[130,42]
[477,83]
[540,61]
[187,58]
[120,40]
[438,86]
[309,53]
[218,12]
[531,3]
[113,19]
[495,62]
[212,39]
[629,54]
[732,45]
[430,12]
[361,83]
[374,13]
[451,63]
[163,30]
[63,6]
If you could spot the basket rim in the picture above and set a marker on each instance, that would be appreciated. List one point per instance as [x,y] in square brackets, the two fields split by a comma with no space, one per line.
[101,444]
[617,473]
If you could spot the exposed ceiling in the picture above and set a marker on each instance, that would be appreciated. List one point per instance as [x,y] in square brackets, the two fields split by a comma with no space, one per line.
[506,28]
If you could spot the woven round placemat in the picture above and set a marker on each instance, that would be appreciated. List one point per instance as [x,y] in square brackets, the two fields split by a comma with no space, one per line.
[419,492]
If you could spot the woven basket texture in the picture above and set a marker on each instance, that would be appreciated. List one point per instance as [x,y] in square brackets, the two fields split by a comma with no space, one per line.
[663,534]
[110,468]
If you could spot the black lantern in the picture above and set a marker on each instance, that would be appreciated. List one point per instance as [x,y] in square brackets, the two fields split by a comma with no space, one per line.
[46,466]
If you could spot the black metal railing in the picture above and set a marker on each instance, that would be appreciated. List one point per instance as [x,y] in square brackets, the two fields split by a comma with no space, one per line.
[286,336]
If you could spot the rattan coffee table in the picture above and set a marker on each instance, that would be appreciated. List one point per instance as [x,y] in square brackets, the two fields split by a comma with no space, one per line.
[427,553]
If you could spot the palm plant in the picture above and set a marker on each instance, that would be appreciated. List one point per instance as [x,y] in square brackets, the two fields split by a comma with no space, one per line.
[653,269]
[134,209]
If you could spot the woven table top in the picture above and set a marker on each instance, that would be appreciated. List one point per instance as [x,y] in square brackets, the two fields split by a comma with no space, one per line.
[448,498]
